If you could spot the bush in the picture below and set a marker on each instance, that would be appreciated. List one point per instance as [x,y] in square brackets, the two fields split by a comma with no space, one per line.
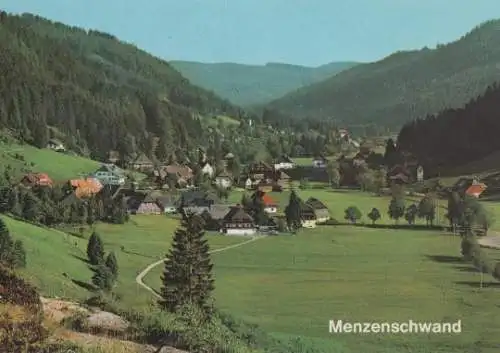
[496,271]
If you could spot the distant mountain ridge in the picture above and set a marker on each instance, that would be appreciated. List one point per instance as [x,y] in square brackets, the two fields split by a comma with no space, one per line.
[405,85]
[247,85]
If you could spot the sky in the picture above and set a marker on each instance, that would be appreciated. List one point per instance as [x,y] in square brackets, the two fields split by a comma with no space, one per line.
[302,32]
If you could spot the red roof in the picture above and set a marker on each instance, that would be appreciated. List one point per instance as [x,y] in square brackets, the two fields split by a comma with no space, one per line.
[268,201]
[475,190]
[40,179]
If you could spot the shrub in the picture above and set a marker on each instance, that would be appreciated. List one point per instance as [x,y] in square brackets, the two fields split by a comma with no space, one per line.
[352,214]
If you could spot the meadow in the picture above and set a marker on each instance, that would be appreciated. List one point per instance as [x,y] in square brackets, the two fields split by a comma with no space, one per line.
[59,166]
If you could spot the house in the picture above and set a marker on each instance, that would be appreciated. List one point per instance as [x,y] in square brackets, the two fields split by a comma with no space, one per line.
[270,206]
[144,204]
[284,163]
[113,157]
[319,162]
[238,222]
[223,180]
[282,180]
[227,159]
[214,216]
[259,170]
[265,185]
[307,216]
[207,169]
[142,163]
[320,210]
[473,187]
[84,188]
[196,202]
[56,145]
[180,174]
[168,203]
[36,179]
[399,174]
[248,184]
[109,174]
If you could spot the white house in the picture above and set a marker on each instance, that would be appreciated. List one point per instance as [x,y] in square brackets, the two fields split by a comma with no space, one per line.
[320,162]
[207,169]
[109,174]
[223,180]
[284,163]
[56,145]
[248,184]
[238,222]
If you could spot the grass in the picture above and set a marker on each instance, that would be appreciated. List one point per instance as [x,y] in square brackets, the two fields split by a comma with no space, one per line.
[59,166]
[294,285]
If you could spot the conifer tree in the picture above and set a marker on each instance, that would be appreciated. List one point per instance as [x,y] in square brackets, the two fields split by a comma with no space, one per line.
[103,278]
[95,249]
[187,278]
[18,254]
[6,245]
[112,264]
[292,211]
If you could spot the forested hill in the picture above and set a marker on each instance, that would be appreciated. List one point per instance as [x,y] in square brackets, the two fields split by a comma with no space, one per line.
[455,137]
[98,91]
[247,85]
[405,85]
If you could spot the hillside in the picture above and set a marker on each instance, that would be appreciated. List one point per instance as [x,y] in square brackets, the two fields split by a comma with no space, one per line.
[247,85]
[404,85]
[457,138]
[99,92]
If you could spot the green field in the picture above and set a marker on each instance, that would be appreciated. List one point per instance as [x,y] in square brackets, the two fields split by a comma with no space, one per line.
[59,166]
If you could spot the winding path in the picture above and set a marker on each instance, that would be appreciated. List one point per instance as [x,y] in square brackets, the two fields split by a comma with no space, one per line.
[140,276]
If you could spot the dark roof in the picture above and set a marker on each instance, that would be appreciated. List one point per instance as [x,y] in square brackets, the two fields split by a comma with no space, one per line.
[142,159]
[316,204]
[219,211]
[238,215]
[167,200]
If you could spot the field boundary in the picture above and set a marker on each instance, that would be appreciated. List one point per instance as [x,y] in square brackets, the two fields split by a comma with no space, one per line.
[143,273]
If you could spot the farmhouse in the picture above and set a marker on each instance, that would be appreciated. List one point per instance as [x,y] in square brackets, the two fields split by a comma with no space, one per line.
[181,174]
[307,216]
[144,204]
[56,145]
[207,169]
[223,180]
[142,163]
[214,216]
[270,206]
[168,203]
[320,210]
[238,222]
[283,163]
[109,174]
[196,202]
[399,174]
[282,180]
[260,170]
[85,187]
[36,179]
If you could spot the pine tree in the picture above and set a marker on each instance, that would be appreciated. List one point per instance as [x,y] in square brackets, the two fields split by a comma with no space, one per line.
[292,211]
[95,249]
[103,278]
[187,278]
[6,245]
[18,254]
[112,264]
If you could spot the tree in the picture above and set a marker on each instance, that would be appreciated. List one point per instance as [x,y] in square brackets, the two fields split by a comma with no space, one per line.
[18,254]
[374,215]
[332,169]
[411,214]
[427,209]
[397,207]
[187,278]
[6,246]
[103,278]
[112,264]
[95,249]
[455,210]
[292,211]
[352,214]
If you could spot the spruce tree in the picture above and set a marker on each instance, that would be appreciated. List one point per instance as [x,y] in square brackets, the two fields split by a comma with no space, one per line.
[292,211]
[6,245]
[112,264]
[103,278]
[187,278]
[95,249]
[18,254]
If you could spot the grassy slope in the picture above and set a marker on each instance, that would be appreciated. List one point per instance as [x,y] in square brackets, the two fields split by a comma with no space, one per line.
[253,84]
[59,166]
[403,85]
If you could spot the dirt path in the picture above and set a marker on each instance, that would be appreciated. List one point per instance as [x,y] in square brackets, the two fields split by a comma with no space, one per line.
[140,276]
[492,240]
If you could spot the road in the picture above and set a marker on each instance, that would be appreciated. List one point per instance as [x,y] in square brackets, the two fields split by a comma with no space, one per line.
[140,276]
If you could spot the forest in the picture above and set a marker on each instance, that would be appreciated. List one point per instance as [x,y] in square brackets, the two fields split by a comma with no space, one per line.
[95,92]
[455,137]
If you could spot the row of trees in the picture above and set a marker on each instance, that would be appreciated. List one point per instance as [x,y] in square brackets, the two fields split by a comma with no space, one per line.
[56,205]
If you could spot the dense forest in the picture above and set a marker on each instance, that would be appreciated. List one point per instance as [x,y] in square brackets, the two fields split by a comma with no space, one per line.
[455,137]
[248,85]
[404,85]
[96,92]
